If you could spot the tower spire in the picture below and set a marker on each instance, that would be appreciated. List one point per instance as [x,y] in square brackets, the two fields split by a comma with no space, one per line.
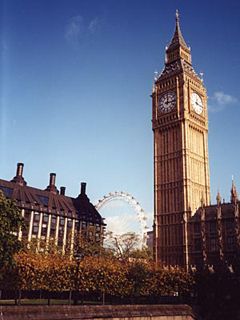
[177,39]
[178,49]
[177,15]
[177,21]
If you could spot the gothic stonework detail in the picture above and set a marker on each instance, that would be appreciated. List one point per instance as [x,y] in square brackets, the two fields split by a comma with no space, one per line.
[181,169]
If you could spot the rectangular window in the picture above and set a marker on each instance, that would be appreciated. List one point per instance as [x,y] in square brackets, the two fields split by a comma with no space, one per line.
[212,227]
[53,220]
[229,225]
[36,216]
[62,221]
[45,217]
[44,229]
[197,244]
[53,226]
[213,245]
[27,216]
[230,243]
[60,231]
[69,223]
[35,228]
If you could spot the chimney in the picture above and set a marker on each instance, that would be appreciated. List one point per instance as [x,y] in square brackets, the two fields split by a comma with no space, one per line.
[52,180]
[19,172]
[83,187]
[62,191]
[19,175]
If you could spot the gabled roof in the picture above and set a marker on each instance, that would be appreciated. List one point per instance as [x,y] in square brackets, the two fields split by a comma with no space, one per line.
[50,202]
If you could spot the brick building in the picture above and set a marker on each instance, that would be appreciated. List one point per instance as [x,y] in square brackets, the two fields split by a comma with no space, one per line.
[51,217]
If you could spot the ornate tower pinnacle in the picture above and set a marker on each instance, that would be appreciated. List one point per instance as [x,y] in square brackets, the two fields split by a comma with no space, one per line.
[218,198]
[178,47]
[177,15]
[234,195]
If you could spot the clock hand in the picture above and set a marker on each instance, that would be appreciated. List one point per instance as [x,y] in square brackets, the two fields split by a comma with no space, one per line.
[199,104]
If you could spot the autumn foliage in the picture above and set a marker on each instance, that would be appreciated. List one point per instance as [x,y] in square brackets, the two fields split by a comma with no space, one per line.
[93,275]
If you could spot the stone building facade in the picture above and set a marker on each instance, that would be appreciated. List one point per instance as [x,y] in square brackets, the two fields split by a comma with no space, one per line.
[51,217]
[181,168]
[215,234]
[187,230]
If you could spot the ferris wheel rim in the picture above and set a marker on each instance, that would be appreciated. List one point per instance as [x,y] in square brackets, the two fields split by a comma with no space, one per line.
[132,201]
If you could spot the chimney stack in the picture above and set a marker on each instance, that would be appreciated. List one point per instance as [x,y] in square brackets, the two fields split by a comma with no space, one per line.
[19,175]
[52,180]
[19,172]
[83,187]
[62,191]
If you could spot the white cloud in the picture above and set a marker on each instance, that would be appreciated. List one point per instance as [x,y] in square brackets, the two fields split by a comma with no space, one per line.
[122,224]
[220,101]
[117,224]
[93,25]
[74,29]
[77,28]
[223,98]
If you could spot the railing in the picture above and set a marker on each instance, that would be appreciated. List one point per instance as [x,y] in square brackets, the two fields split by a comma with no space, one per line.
[18,297]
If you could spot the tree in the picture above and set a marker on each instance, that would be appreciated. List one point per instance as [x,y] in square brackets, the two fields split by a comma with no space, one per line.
[92,276]
[125,246]
[10,223]
[143,254]
[40,271]
[87,247]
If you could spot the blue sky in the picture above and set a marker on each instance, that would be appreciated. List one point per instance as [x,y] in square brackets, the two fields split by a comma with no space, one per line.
[76,79]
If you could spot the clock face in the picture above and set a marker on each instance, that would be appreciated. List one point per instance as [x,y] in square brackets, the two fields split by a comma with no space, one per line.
[167,101]
[196,103]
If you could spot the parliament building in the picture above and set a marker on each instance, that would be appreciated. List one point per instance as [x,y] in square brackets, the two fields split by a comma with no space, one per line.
[187,230]
[53,219]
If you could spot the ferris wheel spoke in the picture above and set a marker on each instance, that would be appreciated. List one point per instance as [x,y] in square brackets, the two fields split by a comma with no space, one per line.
[128,198]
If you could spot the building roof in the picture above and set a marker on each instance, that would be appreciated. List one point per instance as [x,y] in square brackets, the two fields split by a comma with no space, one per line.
[178,63]
[49,200]
[227,211]
[177,39]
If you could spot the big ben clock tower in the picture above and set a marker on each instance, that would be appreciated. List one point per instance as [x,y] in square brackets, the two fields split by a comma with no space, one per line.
[181,169]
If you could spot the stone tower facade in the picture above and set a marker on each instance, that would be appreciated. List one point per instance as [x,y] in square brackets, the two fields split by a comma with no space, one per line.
[181,168]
